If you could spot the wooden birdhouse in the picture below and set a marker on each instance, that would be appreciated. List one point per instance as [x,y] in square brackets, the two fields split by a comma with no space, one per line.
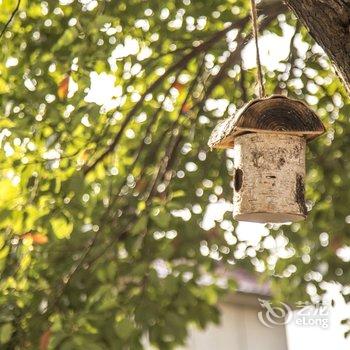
[269,136]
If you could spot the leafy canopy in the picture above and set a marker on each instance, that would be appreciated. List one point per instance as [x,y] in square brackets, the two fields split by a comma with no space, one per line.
[105,176]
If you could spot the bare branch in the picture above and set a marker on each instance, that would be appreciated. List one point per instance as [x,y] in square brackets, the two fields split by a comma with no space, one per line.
[10,19]
[175,138]
[139,151]
[204,46]
[232,59]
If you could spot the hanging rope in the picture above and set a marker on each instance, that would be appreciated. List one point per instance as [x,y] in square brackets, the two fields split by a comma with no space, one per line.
[256,38]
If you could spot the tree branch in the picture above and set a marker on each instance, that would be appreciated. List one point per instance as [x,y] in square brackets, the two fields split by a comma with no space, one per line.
[233,58]
[10,19]
[203,47]
[175,138]
[139,151]
[329,24]
[181,63]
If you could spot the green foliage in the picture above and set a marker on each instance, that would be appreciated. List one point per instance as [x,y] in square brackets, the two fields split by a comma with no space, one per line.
[104,189]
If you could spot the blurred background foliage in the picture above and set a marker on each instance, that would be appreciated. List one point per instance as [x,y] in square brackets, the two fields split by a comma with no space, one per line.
[106,182]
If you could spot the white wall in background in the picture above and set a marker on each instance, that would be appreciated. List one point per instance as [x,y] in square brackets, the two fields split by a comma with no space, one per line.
[306,338]
[240,329]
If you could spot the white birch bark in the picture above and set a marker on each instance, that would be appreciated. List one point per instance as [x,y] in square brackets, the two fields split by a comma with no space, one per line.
[269,178]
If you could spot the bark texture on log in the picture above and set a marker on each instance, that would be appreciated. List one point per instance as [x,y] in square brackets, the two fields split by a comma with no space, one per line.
[328,22]
[276,113]
[269,178]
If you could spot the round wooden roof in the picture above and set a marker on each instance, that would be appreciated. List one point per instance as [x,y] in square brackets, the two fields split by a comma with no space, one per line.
[276,113]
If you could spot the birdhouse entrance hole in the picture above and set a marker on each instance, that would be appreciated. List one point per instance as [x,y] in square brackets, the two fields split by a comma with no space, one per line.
[238,179]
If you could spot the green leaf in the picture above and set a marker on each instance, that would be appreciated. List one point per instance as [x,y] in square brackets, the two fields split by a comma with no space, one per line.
[141,225]
[66,39]
[61,227]
[161,217]
[124,328]
[6,331]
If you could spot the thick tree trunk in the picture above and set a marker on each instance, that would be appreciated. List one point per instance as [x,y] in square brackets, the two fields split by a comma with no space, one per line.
[329,24]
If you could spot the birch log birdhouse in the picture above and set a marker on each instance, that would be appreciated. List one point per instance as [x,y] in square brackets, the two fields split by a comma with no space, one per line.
[268,136]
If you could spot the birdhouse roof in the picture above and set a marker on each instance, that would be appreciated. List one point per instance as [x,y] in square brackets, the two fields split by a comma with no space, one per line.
[276,113]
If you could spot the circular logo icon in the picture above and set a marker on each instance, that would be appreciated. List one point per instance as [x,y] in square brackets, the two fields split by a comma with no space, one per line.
[274,315]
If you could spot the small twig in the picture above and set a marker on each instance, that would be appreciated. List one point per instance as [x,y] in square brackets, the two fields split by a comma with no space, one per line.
[10,19]
[115,239]
[176,136]
[139,151]
[292,48]
[153,120]
[233,58]
[172,146]
[74,269]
